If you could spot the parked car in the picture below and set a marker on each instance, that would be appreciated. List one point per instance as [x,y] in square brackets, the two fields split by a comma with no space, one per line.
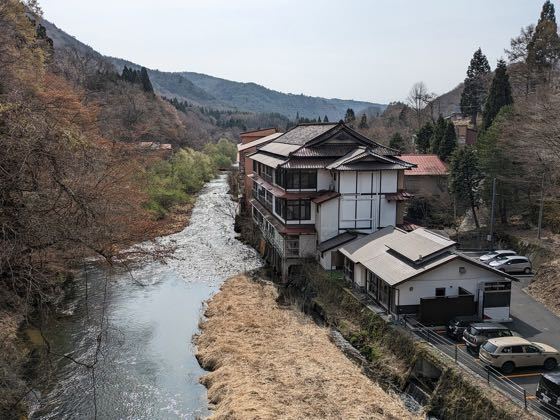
[507,353]
[492,255]
[513,264]
[457,325]
[548,391]
[477,334]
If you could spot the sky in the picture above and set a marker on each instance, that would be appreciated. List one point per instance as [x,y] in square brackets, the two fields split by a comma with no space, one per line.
[372,50]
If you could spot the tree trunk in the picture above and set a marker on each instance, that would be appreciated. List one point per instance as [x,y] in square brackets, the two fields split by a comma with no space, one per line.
[473,208]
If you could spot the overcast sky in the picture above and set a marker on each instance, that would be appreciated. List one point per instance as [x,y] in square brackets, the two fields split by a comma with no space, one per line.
[370,50]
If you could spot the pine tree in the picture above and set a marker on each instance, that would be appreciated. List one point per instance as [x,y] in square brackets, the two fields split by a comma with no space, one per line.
[423,137]
[543,51]
[397,142]
[326,119]
[448,143]
[350,117]
[499,95]
[363,122]
[437,136]
[145,80]
[474,91]
[465,178]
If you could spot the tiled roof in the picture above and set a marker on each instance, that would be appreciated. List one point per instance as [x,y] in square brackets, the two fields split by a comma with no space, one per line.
[301,134]
[267,160]
[425,165]
[311,163]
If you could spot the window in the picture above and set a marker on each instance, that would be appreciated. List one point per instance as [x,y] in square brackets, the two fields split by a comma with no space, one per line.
[517,349]
[292,246]
[506,350]
[440,291]
[531,349]
[301,179]
[280,207]
[280,177]
[298,210]
[267,173]
[254,166]
[268,200]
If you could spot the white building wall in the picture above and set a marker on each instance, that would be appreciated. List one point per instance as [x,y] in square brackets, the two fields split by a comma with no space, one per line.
[389,181]
[324,180]
[307,246]
[327,220]
[447,276]
[388,213]
[325,260]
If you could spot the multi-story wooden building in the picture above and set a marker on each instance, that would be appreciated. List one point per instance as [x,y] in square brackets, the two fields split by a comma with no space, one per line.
[318,186]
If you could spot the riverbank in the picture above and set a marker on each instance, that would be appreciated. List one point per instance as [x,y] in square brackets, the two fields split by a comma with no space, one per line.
[269,361]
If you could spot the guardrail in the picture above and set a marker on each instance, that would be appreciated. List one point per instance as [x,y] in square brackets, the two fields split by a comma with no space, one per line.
[493,376]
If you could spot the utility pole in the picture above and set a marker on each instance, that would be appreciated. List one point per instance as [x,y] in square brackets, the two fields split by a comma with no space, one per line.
[541,208]
[491,236]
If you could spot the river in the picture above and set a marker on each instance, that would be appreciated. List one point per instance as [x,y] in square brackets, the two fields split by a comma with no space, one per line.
[146,366]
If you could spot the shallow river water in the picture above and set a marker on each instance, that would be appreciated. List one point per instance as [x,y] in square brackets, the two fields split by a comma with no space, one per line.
[146,367]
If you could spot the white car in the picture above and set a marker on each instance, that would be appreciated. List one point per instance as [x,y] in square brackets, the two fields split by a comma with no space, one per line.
[512,264]
[499,253]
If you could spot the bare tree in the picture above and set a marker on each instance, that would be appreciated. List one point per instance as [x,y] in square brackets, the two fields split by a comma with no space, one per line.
[418,98]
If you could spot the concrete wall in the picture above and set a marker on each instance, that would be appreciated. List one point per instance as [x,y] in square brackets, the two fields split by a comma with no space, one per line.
[324,180]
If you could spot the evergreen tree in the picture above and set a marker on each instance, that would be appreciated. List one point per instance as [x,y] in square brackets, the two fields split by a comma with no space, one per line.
[474,91]
[145,80]
[350,117]
[297,117]
[497,160]
[423,137]
[448,143]
[437,136]
[326,119]
[499,95]
[363,122]
[397,142]
[543,51]
[465,178]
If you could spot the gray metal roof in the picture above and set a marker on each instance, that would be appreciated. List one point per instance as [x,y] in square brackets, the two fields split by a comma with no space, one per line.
[336,241]
[267,160]
[259,142]
[281,149]
[372,252]
[420,245]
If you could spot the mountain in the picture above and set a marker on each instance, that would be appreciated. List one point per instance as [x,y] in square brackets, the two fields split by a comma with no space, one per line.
[213,92]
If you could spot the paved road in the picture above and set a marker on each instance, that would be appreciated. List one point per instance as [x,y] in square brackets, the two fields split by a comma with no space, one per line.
[535,323]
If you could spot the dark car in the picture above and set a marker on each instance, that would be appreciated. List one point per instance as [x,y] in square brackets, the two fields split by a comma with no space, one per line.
[457,325]
[477,334]
[548,392]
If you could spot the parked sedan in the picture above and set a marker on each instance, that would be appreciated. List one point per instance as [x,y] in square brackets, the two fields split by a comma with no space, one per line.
[513,264]
[507,353]
[492,255]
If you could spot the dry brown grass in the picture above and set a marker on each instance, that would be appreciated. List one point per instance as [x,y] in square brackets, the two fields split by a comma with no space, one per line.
[272,362]
[545,286]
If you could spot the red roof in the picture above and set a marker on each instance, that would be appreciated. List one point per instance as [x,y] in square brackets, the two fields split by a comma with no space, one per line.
[425,165]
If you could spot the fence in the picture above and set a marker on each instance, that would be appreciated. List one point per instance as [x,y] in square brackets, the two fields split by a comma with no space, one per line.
[493,377]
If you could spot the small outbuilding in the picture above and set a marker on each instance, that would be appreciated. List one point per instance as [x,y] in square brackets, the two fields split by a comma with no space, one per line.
[421,274]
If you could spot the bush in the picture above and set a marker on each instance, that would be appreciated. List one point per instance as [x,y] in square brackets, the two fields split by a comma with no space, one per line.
[172,182]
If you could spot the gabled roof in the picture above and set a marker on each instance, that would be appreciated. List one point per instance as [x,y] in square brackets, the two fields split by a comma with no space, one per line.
[426,165]
[362,153]
[372,252]
[258,142]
